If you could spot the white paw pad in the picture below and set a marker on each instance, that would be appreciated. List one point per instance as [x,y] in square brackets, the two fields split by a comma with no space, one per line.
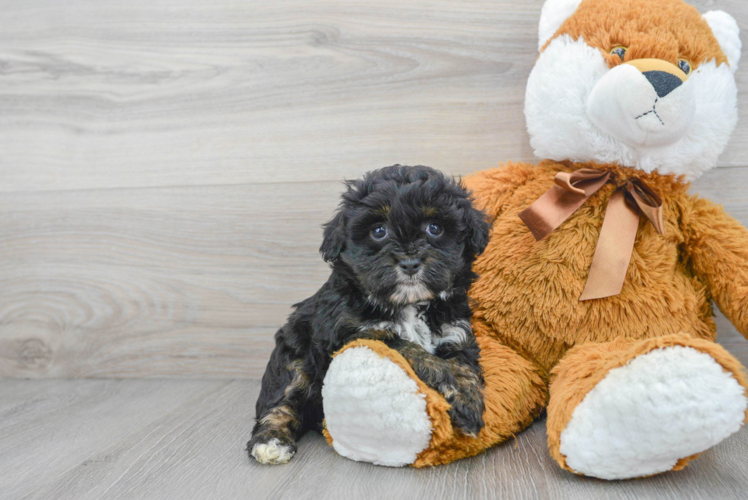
[373,409]
[643,417]
[273,452]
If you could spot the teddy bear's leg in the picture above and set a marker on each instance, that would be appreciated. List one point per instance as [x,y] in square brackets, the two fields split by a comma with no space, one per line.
[633,408]
[377,410]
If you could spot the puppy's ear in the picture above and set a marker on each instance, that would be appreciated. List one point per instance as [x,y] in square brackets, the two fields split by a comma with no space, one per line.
[333,239]
[477,231]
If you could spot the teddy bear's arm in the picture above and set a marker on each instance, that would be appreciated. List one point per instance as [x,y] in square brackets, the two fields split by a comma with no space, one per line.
[492,188]
[717,246]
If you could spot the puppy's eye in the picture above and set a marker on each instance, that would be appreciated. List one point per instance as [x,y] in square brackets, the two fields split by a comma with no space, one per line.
[379,232]
[434,229]
[684,66]
[620,52]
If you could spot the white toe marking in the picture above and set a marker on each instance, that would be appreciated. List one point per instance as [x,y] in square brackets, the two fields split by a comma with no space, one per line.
[373,409]
[643,417]
[272,452]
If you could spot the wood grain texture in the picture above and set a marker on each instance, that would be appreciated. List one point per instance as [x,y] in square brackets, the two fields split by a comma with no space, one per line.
[178,439]
[166,165]
[165,168]
[97,94]
[188,282]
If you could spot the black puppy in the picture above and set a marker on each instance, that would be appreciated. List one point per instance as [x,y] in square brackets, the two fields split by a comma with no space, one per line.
[401,247]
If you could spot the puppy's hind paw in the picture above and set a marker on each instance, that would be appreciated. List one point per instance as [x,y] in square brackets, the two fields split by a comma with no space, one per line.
[271,453]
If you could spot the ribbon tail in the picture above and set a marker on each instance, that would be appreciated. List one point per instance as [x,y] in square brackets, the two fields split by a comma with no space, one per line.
[614,248]
[650,204]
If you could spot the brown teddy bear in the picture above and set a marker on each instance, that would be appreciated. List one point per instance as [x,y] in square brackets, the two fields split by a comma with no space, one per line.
[594,297]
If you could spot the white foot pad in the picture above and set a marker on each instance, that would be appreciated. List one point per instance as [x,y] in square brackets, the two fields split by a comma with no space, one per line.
[643,417]
[373,409]
[272,452]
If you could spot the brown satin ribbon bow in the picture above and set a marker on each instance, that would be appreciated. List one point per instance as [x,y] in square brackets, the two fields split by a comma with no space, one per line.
[618,234]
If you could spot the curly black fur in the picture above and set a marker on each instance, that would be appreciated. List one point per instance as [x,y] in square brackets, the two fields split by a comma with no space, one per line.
[421,269]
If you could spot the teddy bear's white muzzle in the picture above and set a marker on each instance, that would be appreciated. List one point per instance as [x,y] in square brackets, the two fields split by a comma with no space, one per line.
[642,112]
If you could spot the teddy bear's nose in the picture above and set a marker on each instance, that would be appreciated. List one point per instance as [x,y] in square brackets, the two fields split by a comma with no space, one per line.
[662,75]
[663,82]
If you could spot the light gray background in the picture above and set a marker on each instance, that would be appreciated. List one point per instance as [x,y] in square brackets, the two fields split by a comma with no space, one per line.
[165,170]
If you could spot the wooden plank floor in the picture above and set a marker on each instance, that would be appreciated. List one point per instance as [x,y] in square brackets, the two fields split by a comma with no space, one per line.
[184,439]
[165,170]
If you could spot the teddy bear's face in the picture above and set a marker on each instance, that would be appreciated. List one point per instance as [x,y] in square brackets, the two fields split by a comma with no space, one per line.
[641,83]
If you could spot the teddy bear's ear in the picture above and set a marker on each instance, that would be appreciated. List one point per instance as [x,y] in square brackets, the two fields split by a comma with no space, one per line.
[726,30]
[553,15]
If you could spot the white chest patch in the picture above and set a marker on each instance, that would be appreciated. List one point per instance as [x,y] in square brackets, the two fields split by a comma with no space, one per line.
[411,326]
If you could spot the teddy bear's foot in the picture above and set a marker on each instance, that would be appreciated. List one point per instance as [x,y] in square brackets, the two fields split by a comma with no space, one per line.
[374,409]
[377,410]
[652,413]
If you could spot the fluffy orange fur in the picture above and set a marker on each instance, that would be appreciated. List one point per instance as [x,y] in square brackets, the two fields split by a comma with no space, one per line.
[527,294]
[587,364]
[539,343]
[666,29]
[528,291]
[537,339]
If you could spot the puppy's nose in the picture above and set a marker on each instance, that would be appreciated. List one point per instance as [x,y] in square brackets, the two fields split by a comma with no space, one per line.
[663,83]
[410,266]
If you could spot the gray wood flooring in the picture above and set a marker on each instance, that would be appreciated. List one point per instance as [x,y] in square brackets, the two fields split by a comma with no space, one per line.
[165,169]
[184,439]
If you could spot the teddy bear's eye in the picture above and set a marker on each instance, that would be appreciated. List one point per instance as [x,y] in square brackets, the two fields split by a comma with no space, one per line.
[620,52]
[684,66]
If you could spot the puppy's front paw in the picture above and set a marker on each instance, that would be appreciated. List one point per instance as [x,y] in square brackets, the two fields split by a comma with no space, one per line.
[467,415]
[272,452]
